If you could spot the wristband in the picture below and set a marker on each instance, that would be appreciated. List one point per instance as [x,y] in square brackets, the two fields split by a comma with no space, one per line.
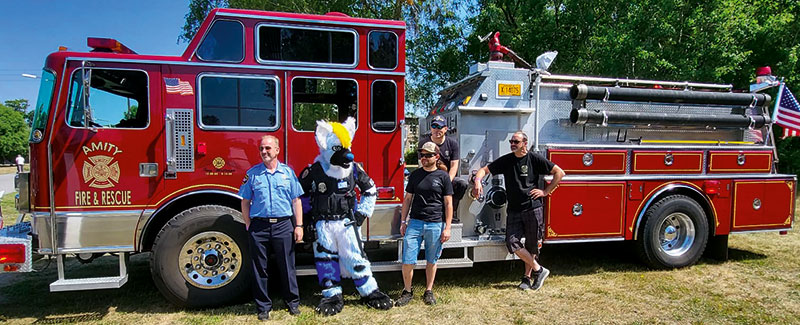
[403,222]
[299,226]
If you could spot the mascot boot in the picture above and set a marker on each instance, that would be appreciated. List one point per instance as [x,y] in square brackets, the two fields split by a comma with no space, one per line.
[331,182]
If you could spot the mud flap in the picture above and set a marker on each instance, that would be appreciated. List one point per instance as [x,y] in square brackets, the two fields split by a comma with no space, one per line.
[717,248]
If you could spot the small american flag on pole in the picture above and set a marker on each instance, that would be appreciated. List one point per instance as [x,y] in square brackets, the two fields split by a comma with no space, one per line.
[178,86]
[788,115]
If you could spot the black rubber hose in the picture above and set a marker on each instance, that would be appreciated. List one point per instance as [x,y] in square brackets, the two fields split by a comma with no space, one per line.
[582,91]
[584,116]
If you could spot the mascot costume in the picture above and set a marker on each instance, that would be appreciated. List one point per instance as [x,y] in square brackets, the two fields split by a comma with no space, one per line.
[330,183]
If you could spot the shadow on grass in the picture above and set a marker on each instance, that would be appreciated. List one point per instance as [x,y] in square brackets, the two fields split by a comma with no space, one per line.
[28,296]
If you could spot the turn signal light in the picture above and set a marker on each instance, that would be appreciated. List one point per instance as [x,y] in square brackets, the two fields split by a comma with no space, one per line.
[385,193]
[12,253]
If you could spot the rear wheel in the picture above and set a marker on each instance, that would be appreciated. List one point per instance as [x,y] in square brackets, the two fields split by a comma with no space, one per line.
[675,233]
[201,259]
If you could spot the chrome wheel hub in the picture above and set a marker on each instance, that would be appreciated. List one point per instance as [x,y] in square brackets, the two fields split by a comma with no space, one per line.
[210,260]
[676,234]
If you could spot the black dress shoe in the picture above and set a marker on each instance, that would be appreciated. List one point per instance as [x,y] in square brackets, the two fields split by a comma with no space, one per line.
[264,315]
[294,311]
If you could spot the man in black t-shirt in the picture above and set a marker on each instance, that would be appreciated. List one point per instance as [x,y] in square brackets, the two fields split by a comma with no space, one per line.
[449,158]
[429,194]
[521,170]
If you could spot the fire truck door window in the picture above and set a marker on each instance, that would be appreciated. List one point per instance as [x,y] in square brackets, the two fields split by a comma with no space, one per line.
[117,98]
[223,43]
[321,46]
[382,50]
[322,99]
[241,102]
[384,105]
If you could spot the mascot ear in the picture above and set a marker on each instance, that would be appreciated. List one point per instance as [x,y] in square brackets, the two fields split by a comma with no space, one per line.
[323,130]
[350,125]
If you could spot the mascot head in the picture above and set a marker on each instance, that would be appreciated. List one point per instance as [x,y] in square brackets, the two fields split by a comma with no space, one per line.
[334,140]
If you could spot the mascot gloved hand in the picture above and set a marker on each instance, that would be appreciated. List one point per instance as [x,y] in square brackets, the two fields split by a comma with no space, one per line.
[330,182]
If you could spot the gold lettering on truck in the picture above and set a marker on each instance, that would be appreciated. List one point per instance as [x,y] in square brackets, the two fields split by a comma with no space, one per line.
[101,170]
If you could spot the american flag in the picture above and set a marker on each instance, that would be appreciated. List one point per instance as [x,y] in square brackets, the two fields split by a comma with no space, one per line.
[788,115]
[177,86]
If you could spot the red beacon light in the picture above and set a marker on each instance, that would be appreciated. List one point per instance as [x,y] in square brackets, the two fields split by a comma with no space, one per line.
[107,45]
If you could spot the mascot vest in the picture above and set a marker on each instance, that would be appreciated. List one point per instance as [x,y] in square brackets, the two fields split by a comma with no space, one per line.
[331,198]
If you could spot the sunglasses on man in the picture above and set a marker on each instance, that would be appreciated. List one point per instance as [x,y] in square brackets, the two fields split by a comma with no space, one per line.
[512,141]
[437,126]
[427,155]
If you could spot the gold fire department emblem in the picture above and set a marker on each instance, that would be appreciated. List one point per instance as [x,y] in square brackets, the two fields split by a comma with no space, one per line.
[100,172]
[218,162]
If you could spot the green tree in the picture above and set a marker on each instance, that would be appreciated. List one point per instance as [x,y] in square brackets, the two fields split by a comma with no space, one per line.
[13,134]
[21,105]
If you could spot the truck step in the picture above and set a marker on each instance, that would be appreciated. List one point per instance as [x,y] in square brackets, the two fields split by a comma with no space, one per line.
[443,263]
[110,282]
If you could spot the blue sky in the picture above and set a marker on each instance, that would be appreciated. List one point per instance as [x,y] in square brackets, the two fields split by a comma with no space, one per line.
[32,29]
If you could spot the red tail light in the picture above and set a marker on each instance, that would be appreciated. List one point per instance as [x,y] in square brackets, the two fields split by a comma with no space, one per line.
[711,187]
[385,193]
[12,253]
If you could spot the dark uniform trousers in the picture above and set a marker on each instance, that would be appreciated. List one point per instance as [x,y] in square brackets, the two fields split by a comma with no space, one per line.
[275,235]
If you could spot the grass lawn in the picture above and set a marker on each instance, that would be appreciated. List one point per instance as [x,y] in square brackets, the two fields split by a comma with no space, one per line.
[9,212]
[590,283]
[6,169]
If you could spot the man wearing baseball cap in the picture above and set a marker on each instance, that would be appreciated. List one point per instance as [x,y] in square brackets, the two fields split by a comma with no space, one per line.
[429,196]
[449,157]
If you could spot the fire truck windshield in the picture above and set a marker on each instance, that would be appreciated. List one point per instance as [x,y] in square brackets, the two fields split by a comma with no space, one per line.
[42,106]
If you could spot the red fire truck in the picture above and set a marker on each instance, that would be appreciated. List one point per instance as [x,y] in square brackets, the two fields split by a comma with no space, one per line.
[138,153]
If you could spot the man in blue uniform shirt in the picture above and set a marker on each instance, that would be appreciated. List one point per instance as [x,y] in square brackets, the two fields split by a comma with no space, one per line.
[270,199]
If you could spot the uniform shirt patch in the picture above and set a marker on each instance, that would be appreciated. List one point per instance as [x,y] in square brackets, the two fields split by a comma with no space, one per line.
[322,187]
[244,180]
[342,184]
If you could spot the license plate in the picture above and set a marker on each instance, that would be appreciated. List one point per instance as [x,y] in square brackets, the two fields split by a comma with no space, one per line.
[508,90]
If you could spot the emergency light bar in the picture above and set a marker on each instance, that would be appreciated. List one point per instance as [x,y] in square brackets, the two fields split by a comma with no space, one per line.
[107,45]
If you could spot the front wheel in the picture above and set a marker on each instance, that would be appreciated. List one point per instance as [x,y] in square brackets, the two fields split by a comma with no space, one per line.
[675,233]
[201,259]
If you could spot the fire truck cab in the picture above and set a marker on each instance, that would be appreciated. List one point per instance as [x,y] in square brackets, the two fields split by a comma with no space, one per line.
[140,153]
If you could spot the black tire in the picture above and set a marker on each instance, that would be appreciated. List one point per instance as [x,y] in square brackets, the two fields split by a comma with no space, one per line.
[674,234]
[221,275]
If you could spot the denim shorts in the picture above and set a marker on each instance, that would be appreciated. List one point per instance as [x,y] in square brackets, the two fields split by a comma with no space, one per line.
[418,231]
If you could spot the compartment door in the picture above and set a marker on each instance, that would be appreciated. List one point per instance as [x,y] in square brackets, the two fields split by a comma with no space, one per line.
[763,204]
[584,210]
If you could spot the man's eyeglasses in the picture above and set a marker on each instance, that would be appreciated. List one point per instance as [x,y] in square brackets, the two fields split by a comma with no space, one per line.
[514,141]
[437,126]
[427,155]
[267,148]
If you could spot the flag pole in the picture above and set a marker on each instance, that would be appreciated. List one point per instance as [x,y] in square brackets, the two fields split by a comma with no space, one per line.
[771,132]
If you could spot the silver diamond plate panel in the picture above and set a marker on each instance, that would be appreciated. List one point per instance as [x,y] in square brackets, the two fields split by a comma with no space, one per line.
[183,139]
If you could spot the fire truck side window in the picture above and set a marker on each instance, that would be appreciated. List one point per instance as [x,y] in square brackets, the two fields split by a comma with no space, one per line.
[240,102]
[118,99]
[384,105]
[382,50]
[319,46]
[322,99]
[223,43]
